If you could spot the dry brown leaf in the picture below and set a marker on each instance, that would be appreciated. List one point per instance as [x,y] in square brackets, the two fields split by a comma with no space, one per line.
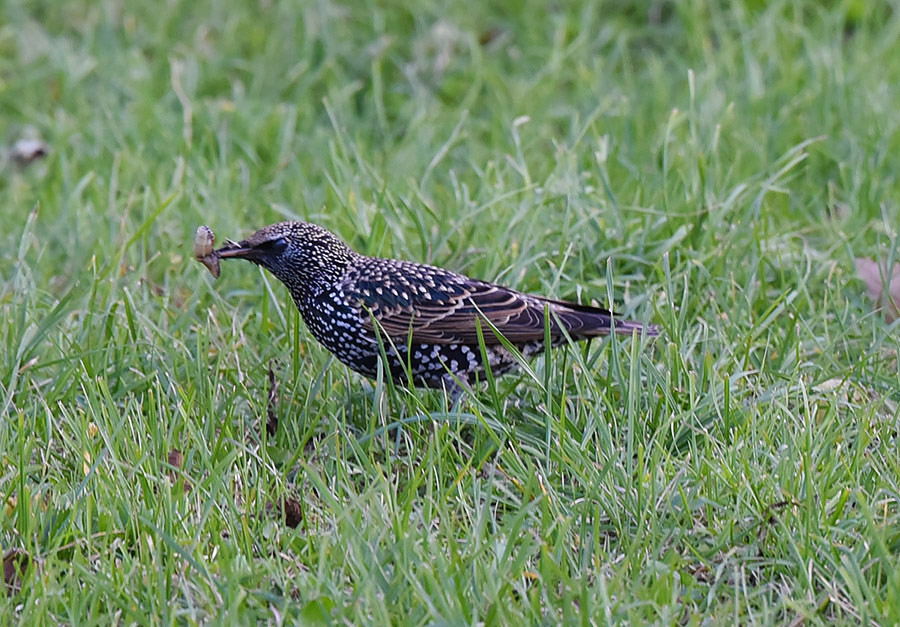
[877,277]
[176,460]
[15,563]
[293,513]
[292,510]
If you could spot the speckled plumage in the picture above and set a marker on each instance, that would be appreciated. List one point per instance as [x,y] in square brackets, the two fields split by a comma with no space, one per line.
[425,316]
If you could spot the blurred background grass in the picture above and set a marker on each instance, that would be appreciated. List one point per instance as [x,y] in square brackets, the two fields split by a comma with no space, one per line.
[714,167]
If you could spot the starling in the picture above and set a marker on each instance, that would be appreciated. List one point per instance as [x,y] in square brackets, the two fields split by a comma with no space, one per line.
[425,318]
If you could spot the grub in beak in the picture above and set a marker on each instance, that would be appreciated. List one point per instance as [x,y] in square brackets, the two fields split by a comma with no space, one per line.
[204,249]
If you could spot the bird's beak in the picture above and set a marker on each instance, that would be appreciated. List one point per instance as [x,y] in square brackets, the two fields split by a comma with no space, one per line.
[239,250]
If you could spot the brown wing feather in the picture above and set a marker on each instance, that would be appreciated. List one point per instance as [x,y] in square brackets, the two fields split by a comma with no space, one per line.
[451,318]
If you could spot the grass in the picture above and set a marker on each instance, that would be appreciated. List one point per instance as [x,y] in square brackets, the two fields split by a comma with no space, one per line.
[712,167]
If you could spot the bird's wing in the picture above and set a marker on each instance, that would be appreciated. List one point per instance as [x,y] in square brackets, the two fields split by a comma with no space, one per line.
[445,312]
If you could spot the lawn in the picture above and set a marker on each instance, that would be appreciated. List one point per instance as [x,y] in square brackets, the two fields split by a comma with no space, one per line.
[712,167]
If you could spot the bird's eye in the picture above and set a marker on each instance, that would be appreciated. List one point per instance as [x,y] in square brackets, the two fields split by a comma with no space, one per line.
[276,245]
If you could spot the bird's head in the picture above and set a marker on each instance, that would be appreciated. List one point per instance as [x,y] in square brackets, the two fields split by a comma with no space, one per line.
[300,255]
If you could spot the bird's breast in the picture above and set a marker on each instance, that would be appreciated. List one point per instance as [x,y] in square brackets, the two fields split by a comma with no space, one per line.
[336,322]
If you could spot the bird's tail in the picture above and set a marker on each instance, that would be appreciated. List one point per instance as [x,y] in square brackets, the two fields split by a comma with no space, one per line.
[628,327]
[583,321]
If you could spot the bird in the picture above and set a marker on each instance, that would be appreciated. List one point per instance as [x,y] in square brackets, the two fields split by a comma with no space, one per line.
[434,328]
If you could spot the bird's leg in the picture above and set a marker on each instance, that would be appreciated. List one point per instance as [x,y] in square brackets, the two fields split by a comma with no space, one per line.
[455,388]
